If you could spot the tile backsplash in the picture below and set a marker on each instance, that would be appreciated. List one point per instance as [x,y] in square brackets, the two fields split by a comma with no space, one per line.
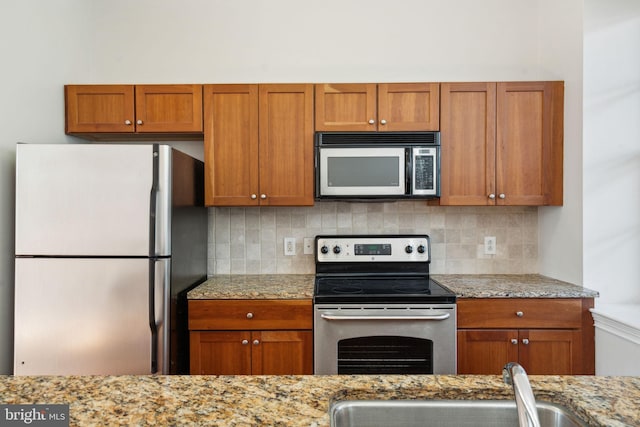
[251,240]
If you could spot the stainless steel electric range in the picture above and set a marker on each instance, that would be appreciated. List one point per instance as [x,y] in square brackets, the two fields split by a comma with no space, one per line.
[377,311]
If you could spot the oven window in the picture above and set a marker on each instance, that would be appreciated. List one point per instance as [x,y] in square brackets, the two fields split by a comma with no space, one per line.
[385,355]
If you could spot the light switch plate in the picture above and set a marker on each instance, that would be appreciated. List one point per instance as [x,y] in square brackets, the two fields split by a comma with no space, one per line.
[308,245]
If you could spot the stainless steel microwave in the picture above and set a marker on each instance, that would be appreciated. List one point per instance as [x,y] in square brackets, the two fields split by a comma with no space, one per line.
[370,165]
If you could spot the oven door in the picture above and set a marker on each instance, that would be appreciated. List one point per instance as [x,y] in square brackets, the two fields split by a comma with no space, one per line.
[385,339]
[361,171]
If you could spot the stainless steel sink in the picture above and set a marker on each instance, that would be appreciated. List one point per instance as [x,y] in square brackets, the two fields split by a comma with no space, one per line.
[443,413]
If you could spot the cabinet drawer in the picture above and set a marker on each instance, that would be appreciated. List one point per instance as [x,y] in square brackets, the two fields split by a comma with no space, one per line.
[520,313]
[250,314]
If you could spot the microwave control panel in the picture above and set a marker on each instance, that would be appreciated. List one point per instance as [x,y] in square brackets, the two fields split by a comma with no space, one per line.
[425,164]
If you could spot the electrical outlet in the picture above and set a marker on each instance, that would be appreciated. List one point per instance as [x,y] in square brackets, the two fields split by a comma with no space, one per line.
[308,245]
[289,245]
[490,245]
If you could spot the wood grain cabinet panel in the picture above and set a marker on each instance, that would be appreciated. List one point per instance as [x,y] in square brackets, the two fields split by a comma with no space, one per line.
[546,336]
[133,109]
[259,337]
[259,145]
[377,107]
[502,143]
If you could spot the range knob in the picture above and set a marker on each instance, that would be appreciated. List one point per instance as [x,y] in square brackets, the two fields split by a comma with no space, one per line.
[324,249]
[336,249]
[422,249]
[408,249]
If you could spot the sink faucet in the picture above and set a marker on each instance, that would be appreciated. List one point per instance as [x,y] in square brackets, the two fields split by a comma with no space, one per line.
[515,375]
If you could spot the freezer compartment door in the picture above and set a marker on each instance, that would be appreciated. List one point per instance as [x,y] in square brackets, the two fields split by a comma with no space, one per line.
[85,316]
[84,199]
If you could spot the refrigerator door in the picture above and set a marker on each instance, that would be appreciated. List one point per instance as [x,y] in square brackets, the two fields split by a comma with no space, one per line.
[88,200]
[86,316]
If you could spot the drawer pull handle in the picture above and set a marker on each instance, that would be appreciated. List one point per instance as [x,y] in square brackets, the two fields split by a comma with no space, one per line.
[245,342]
[525,341]
[249,315]
[514,341]
[519,313]
[256,342]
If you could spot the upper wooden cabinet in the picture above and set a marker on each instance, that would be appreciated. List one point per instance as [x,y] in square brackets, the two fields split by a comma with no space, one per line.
[502,143]
[377,107]
[259,145]
[129,109]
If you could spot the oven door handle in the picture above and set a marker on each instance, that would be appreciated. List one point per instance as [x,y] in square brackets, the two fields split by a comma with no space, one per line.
[439,316]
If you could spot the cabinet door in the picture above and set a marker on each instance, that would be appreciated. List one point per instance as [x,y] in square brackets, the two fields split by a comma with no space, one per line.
[529,143]
[346,107]
[551,352]
[286,145]
[220,353]
[409,107]
[468,132]
[169,108]
[99,108]
[231,145]
[282,353]
[486,351]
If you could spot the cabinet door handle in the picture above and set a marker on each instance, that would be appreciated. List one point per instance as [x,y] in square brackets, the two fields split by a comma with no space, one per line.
[256,342]
[254,196]
[383,122]
[249,315]
[139,122]
[519,313]
[525,341]
[371,121]
[502,196]
[245,342]
[127,122]
[514,341]
[263,196]
[492,196]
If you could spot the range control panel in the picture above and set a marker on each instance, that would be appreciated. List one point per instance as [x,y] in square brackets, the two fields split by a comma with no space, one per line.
[404,248]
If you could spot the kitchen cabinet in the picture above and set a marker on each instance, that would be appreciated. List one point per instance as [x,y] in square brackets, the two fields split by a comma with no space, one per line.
[546,336]
[502,143]
[133,109]
[259,145]
[259,337]
[377,107]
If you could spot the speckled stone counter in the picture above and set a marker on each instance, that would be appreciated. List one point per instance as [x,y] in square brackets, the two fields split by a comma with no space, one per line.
[297,400]
[511,286]
[262,286]
[300,286]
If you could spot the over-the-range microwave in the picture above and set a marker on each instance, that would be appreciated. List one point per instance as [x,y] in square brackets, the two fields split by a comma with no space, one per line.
[377,165]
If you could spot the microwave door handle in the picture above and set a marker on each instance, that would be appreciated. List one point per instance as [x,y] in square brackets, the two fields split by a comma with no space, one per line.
[408,170]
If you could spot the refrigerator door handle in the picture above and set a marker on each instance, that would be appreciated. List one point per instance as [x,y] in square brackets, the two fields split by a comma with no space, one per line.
[161,194]
[159,276]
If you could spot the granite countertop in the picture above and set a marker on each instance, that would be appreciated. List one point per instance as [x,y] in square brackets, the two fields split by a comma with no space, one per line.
[511,286]
[300,286]
[297,400]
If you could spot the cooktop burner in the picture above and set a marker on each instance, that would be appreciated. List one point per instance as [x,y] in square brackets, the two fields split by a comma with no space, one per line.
[380,289]
[376,269]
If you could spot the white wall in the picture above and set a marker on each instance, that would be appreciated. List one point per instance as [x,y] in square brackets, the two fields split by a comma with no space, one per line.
[45,44]
[560,228]
[612,150]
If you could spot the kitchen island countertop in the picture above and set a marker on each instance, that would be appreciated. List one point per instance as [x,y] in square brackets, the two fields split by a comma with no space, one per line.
[297,400]
[300,286]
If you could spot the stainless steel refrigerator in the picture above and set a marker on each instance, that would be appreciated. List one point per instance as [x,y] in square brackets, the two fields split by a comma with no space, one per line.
[109,238]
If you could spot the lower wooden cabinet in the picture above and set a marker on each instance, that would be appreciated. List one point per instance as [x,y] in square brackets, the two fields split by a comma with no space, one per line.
[546,336]
[251,352]
[265,337]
